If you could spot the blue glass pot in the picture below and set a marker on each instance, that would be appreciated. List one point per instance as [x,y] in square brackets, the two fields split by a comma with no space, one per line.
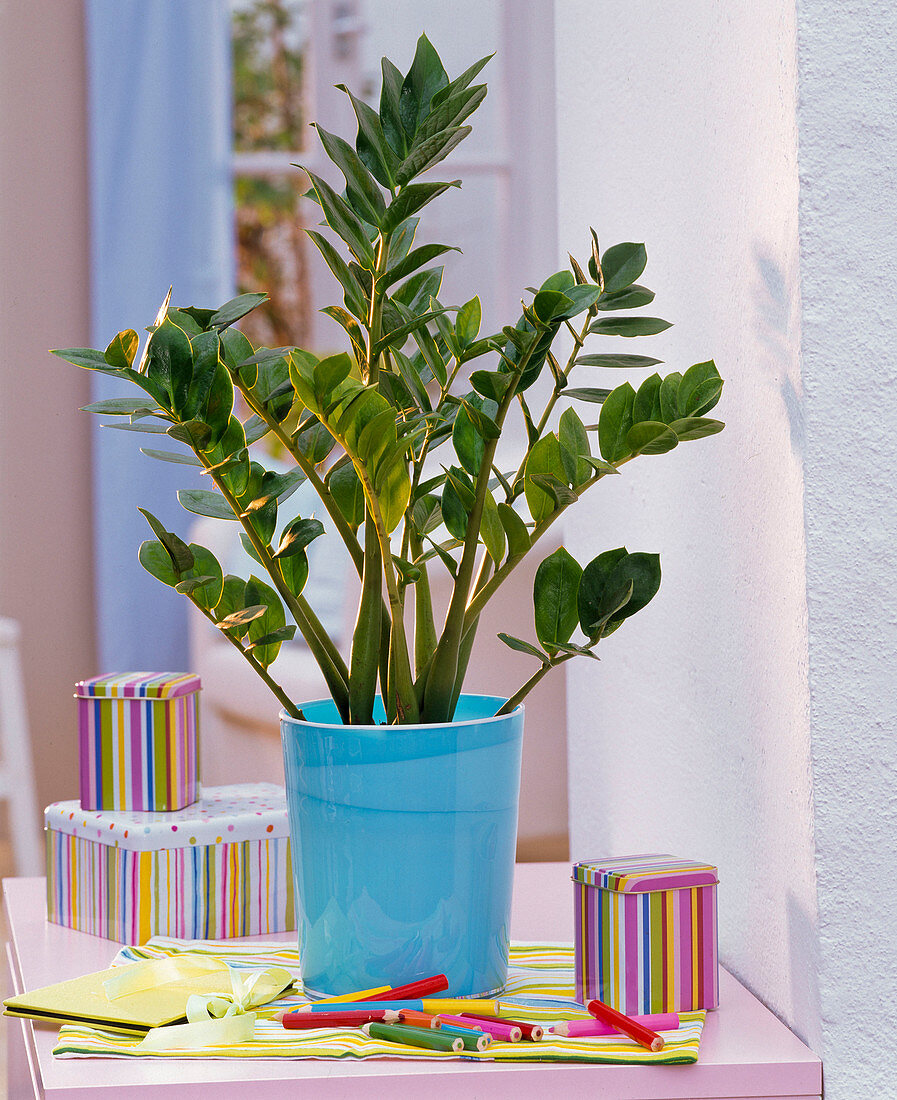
[403,844]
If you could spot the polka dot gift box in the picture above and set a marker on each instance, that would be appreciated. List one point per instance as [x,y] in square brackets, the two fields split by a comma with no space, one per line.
[216,869]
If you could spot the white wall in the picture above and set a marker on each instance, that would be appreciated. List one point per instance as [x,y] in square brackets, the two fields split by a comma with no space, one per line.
[848,70]
[677,128]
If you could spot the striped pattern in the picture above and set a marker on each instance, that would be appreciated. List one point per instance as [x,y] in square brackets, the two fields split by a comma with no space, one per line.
[540,990]
[647,952]
[139,741]
[637,874]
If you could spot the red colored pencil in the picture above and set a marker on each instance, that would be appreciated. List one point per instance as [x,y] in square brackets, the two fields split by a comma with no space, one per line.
[625,1024]
[297,1021]
[414,990]
[533,1032]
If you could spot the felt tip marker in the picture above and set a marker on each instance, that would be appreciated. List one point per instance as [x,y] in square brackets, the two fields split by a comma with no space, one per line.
[626,1025]
[427,1038]
[657,1021]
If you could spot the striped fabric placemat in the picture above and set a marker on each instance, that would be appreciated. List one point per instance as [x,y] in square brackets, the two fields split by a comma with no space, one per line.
[539,990]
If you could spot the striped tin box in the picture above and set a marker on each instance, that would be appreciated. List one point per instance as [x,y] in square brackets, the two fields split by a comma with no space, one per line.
[139,740]
[646,933]
[217,869]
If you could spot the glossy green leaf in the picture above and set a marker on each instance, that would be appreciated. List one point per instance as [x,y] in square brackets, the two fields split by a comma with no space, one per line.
[236,308]
[575,449]
[492,530]
[410,199]
[520,646]
[426,514]
[122,349]
[363,192]
[695,427]
[85,357]
[429,153]
[408,572]
[425,78]
[555,487]
[555,591]
[343,220]
[454,512]
[205,348]
[411,262]
[177,457]
[622,264]
[581,298]
[347,491]
[606,578]
[195,433]
[169,362]
[587,393]
[517,534]
[390,118]
[431,354]
[353,293]
[632,297]
[699,389]
[614,423]
[180,554]
[669,397]
[122,406]
[393,485]
[544,458]
[370,143]
[647,400]
[628,326]
[150,427]
[549,304]
[491,384]
[467,323]
[651,437]
[203,502]
[297,535]
[612,360]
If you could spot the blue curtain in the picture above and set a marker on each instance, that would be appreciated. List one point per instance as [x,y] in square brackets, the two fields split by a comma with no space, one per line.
[161,209]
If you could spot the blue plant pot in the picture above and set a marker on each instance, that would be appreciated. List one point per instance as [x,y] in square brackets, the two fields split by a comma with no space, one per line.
[403,845]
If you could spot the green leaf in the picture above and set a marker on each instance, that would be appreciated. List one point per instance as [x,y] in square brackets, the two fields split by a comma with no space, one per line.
[328,373]
[195,433]
[169,362]
[411,262]
[622,264]
[556,488]
[180,554]
[454,511]
[122,349]
[606,579]
[393,485]
[614,423]
[390,118]
[597,396]
[544,458]
[343,220]
[371,144]
[549,304]
[242,618]
[612,360]
[235,309]
[699,389]
[274,488]
[581,298]
[651,437]
[150,427]
[669,397]
[398,335]
[467,323]
[519,541]
[122,406]
[284,634]
[314,441]
[205,348]
[432,356]
[695,427]
[297,535]
[410,199]
[521,646]
[426,514]
[202,581]
[555,591]
[593,585]
[647,400]
[203,502]
[347,491]
[177,457]
[85,357]
[575,449]
[364,194]
[429,153]
[492,530]
[408,572]
[628,326]
[354,295]
[491,384]
[425,78]
[631,298]
[460,82]
[344,318]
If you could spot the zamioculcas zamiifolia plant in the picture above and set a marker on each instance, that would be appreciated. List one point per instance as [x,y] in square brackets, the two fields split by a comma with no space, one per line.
[399,435]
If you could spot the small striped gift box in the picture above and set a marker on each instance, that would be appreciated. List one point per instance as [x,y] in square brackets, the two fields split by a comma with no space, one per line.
[139,740]
[646,933]
[217,869]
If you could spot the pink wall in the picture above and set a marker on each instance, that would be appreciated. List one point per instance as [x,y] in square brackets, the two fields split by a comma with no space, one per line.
[45,541]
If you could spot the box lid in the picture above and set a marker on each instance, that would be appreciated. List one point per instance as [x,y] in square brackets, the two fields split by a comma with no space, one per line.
[138,685]
[242,811]
[643,873]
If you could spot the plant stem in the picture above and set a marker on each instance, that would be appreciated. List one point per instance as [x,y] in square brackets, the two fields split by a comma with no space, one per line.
[288,705]
[521,694]
[366,636]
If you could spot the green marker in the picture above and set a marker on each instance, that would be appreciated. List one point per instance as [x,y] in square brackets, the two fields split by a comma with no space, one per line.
[414,1036]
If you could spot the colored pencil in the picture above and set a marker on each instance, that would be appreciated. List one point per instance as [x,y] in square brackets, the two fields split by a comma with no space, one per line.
[296,1021]
[658,1021]
[361,995]
[428,1038]
[625,1024]
[498,1029]
[417,1019]
[434,1006]
[533,1032]
[413,990]
[474,1038]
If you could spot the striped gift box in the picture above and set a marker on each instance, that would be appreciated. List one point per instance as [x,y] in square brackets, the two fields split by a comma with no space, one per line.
[217,869]
[646,933]
[138,734]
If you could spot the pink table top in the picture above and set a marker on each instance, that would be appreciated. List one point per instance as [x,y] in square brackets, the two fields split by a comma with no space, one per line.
[745,1050]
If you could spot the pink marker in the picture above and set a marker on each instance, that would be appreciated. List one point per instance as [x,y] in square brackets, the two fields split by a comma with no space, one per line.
[658,1021]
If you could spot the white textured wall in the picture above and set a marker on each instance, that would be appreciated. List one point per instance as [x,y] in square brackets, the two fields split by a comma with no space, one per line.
[677,128]
[848,149]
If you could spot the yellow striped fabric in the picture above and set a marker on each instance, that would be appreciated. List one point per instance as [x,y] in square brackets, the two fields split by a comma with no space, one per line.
[539,990]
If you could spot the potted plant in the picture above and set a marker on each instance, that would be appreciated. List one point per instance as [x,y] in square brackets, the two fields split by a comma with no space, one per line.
[403,790]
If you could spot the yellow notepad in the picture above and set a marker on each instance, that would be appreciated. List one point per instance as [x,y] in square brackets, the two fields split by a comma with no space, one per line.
[85,1001]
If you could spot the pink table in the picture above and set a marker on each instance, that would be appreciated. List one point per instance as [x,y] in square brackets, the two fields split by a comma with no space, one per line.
[745,1051]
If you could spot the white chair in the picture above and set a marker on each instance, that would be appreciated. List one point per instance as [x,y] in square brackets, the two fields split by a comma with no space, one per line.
[16,771]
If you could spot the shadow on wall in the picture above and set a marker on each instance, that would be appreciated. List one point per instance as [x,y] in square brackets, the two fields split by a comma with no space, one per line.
[776,310]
